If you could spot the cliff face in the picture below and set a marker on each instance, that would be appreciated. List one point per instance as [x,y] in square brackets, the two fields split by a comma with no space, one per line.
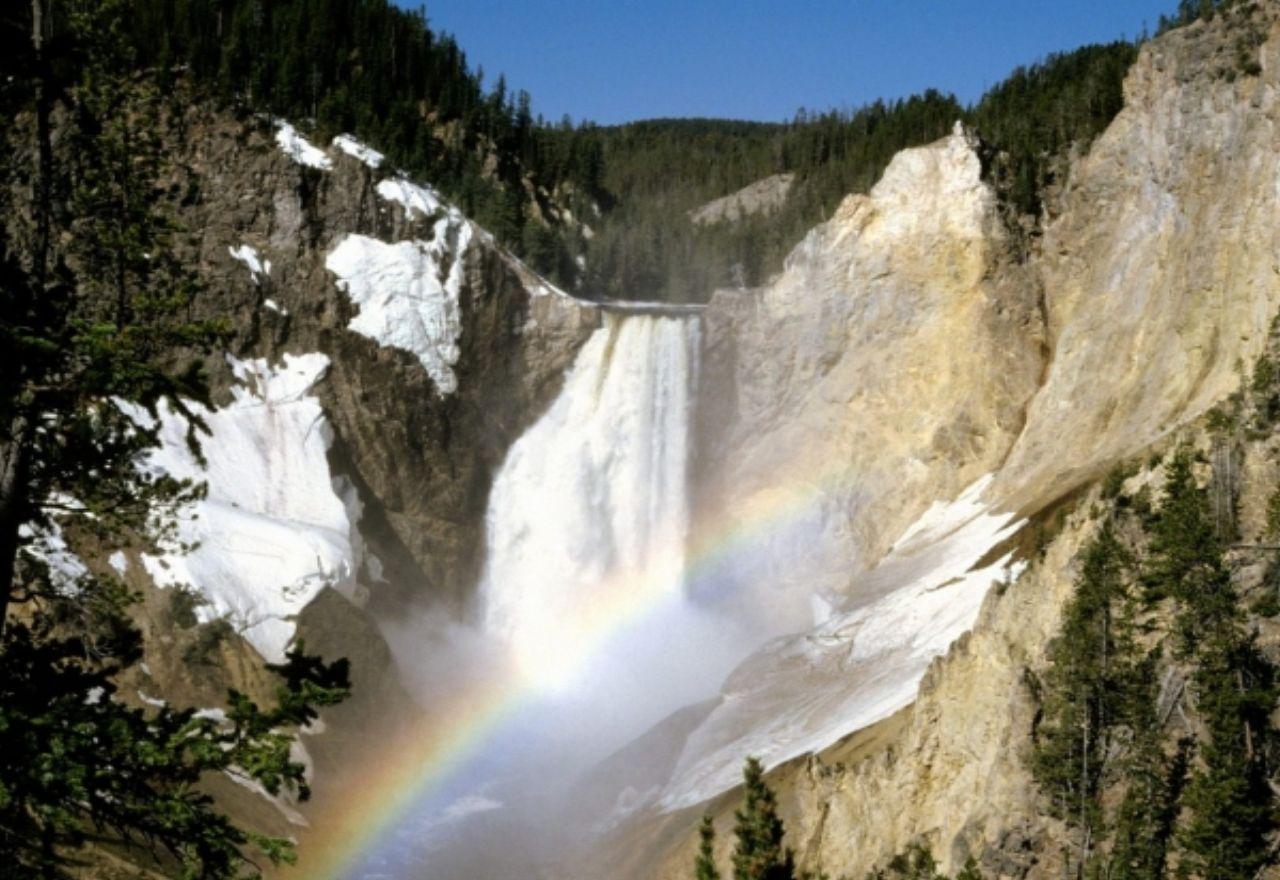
[1160,272]
[888,414]
[889,365]
[422,458]
[361,408]
[907,355]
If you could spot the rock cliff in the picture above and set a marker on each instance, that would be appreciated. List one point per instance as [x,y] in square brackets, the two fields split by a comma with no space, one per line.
[361,408]
[919,380]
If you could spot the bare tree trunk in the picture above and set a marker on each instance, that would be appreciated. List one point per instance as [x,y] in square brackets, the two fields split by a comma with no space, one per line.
[1084,786]
[44,146]
[13,448]
[1248,732]
[13,466]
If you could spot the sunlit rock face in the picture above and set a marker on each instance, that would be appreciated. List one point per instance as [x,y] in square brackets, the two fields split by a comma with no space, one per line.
[1157,274]
[1160,274]
[883,371]
[887,367]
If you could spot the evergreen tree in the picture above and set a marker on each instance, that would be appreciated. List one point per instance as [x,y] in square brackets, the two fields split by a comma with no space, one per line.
[1227,795]
[1083,698]
[916,862]
[1186,555]
[1144,821]
[1206,797]
[760,853]
[704,866]
[95,321]
[1231,804]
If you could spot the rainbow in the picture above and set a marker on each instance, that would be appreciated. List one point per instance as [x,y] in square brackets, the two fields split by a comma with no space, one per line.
[421,758]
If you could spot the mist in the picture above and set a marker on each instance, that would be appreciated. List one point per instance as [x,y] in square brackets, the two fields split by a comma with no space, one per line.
[586,615]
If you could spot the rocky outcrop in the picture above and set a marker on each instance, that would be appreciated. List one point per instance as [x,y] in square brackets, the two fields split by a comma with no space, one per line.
[421,460]
[385,450]
[1160,273]
[888,366]
[761,197]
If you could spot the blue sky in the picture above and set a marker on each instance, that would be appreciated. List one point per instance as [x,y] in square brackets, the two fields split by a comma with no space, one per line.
[618,60]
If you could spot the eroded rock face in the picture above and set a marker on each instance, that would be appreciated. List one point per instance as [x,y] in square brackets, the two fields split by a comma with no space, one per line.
[420,380]
[1160,275]
[887,367]
[421,460]
[761,197]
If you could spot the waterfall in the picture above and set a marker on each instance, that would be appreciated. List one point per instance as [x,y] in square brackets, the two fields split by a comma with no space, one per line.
[588,516]
[582,624]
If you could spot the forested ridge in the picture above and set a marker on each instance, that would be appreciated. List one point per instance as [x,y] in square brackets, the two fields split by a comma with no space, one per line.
[382,73]
[615,198]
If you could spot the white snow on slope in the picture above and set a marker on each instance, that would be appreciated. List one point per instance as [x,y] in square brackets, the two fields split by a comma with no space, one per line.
[352,147]
[408,293]
[415,198]
[50,547]
[803,693]
[119,562]
[247,254]
[273,531]
[299,149]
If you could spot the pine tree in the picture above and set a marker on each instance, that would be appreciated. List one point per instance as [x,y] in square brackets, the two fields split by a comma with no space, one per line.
[760,853]
[704,866]
[95,322]
[1227,795]
[1186,554]
[1082,696]
[1231,804]
[1144,821]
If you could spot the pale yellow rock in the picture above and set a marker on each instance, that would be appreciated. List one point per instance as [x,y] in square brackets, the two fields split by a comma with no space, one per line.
[898,358]
[885,368]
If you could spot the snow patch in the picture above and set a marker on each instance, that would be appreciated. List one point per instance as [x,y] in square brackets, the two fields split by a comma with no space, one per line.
[46,544]
[247,254]
[275,306]
[284,805]
[299,149]
[427,202]
[119,562]
[352,147]
[415,198]
[271,532]
[802,693]
[408,294]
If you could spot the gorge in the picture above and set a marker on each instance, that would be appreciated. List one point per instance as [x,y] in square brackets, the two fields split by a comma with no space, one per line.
[587,555]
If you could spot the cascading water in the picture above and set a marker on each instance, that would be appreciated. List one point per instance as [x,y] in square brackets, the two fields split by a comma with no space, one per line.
[582,623]
[588,516]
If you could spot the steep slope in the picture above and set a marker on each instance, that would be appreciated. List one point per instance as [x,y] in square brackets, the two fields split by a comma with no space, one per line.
[383,391]
[383,354]
[888,366]
[1151,290]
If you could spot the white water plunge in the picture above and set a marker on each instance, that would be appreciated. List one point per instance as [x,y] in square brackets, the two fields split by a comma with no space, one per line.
[589,512]
[587,524]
